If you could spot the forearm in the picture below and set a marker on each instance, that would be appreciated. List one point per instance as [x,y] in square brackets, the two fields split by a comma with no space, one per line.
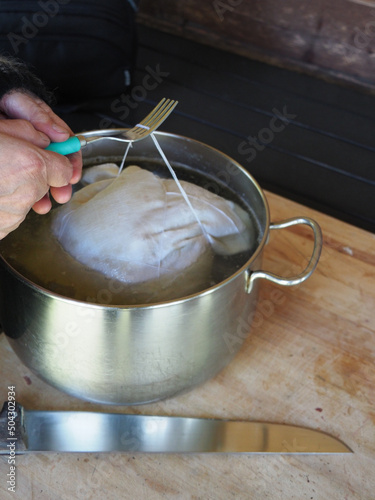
[15,76]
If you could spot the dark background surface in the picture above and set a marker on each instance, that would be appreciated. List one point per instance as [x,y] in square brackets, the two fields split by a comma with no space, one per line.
[320,154]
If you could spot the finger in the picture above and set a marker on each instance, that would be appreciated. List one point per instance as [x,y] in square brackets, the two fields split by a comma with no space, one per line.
[73,162]
[44,120]
[76,161]
[58,170]
[42,206]
[23,163]
[23,129]
[61,194]
[40,167]
[33,109]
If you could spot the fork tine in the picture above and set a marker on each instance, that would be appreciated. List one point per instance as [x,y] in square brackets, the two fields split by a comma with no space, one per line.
[156,117]
[159,117]
[153,111]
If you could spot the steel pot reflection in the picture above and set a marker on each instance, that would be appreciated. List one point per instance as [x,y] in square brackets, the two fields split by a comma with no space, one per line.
[143,353]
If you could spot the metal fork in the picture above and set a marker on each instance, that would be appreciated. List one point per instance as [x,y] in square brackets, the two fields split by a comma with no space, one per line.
[152,121]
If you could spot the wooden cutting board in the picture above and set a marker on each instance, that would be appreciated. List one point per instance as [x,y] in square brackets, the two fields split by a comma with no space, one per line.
[309,360]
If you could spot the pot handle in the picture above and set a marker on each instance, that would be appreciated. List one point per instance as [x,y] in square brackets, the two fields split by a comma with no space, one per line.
[252,276]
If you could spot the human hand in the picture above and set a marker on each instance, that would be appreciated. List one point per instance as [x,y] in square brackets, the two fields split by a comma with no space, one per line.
[21,105]
[28,171]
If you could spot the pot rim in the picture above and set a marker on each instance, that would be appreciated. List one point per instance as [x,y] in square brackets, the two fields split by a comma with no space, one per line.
[206,291]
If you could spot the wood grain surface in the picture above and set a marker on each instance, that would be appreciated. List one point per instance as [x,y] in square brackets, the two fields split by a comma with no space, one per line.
[308,360]
[335,38]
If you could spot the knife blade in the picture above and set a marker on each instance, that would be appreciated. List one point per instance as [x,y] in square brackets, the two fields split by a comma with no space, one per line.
[25,431]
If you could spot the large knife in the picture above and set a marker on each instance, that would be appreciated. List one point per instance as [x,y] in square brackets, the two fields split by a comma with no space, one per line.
[23,431]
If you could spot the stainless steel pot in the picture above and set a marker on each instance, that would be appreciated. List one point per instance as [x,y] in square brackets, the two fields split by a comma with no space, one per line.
[138,354]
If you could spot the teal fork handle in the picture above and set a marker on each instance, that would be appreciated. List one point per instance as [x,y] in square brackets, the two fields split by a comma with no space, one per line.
[72,145]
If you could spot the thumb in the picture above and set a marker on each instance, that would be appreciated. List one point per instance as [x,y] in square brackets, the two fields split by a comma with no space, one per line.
[37,112]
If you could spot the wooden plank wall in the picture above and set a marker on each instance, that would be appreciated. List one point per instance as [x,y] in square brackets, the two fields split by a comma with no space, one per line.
[332,38]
